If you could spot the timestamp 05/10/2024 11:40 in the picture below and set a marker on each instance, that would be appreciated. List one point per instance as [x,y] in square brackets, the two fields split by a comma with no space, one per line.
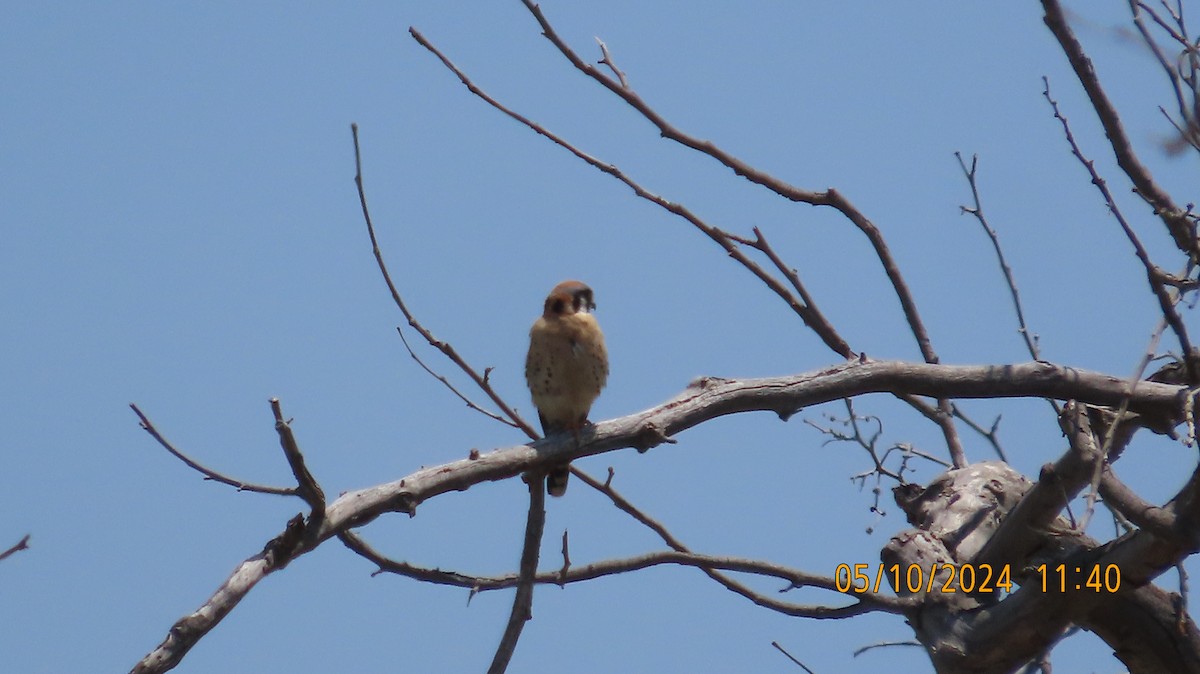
[971,578]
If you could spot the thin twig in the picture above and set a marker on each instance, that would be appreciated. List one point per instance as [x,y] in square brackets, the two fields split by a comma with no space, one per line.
[1168,28]
[1154,275]
[522,609]
[306,485]
[992,434]
[815,319]
[857,437]
[1031,340]
[1179,74]
[612,65]
[385,564]
[909,449]
[566,556]
[208,473]
[20,545]
[812,315]
[1121,410]
[789,657]
[580,573]
[865,602]
[883,644]
[446,348]
[453,389]
[1182,230]
[1152,44]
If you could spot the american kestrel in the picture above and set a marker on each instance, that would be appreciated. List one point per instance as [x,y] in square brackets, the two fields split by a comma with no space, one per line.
[566,367]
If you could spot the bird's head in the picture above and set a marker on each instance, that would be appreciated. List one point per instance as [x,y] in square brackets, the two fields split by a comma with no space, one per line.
[569,297]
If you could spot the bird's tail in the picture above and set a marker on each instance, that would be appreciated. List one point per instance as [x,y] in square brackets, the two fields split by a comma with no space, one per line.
[556,480]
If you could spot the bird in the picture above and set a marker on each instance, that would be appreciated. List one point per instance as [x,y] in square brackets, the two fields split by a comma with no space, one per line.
[566,367]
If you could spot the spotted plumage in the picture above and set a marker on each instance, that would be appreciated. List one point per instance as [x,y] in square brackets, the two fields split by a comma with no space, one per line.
[566,367]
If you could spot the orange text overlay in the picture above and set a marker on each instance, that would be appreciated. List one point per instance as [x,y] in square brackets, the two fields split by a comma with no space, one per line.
[913,578]
[973,578]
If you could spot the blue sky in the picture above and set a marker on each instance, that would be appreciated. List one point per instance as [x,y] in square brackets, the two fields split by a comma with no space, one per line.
[181,231]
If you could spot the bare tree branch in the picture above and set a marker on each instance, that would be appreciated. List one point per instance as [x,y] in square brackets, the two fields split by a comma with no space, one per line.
[1031,339]
[188,630]
[306,485]
[705,399]
[594,570]
[865,603]
[20,545]
[208,473]
[1182,599]
[1181,229]
[789,657]
[991,434]
[812,316]
[522,609]
[1154,275]
[855,436]
[612,65]
[884,644]
[626,506]
[1184,74]
[453,389]
[435,576]
[1136,9]
[1119,417]
[566,557]
[446,349]
[1118,496]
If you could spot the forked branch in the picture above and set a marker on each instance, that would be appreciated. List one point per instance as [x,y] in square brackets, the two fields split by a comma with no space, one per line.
[208,473]
[447,349]
[1181,228]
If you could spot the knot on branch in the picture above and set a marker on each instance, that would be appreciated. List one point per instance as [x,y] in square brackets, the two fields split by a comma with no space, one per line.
[705,383]
[187,626]
[786,415]
[650,435]
[405,503]
[963,507]
[280,550]
[1049,475]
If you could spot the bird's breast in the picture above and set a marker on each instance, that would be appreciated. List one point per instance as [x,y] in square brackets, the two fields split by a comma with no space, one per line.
[566,367]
